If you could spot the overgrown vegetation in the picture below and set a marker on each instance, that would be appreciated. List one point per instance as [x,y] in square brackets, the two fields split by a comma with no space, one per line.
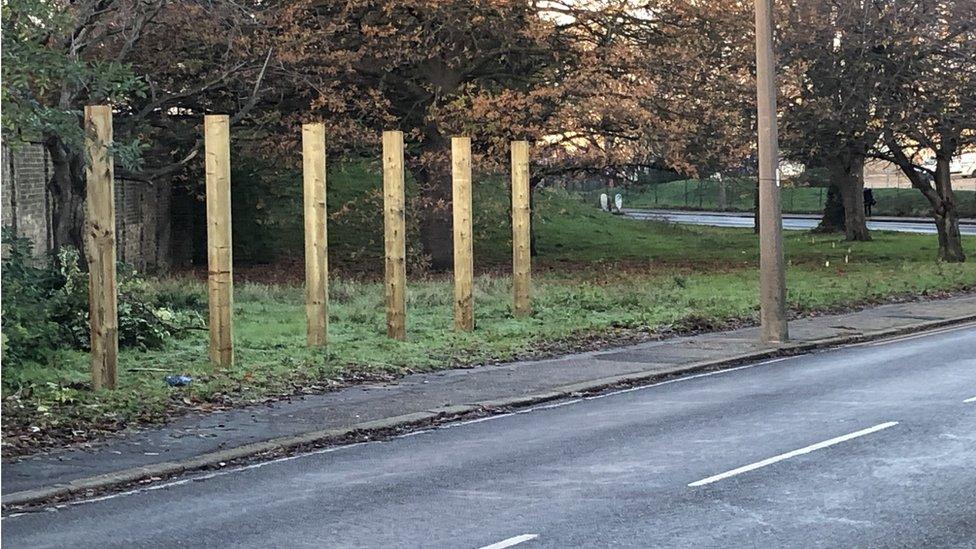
[598,279]
[45,317]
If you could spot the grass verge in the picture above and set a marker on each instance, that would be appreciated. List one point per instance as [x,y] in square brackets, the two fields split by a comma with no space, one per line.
[599,279]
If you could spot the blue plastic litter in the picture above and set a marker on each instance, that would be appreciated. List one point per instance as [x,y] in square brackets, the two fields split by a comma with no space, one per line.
[178,381]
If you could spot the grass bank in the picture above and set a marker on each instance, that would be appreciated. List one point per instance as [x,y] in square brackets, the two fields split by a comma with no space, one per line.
[598,279]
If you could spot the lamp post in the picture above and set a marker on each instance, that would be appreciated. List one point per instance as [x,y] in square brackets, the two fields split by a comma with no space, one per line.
[772,270]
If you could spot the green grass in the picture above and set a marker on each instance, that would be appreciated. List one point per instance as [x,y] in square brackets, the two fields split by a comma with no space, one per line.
[704,195]
[596,276]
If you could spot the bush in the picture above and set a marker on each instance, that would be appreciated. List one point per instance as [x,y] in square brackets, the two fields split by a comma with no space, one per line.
[45,307]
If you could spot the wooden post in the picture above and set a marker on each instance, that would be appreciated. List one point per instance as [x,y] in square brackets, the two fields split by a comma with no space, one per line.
[220,281]
[394,238]
[463,254]
[521,260]
[100,247]
[316,241]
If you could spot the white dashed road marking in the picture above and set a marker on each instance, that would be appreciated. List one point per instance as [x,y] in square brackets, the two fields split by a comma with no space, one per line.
[794,453]
[511,541]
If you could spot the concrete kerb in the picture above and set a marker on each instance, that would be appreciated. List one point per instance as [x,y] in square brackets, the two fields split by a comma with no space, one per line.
[383,427]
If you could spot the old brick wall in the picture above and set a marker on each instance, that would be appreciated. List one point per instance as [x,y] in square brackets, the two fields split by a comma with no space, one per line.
[26,207]
[143,226]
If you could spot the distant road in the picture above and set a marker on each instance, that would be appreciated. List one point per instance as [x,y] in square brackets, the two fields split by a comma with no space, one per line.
[791,222]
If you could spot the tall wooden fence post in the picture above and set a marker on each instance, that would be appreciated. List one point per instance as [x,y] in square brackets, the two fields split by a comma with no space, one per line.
[521,259]
[220,281]
[100,247]
[316,240]
[394,237]
[463,254]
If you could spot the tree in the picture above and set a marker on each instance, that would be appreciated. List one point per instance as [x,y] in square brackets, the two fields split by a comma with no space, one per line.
[600,87]
[44,73]
[828,50]
[427,68]
[928,101]
[161,64]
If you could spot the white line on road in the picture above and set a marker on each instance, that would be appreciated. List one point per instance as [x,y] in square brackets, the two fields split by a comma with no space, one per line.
[969,400]
[511,541]
[794,453]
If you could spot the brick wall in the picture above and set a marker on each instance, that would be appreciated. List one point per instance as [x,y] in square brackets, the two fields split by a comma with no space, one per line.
[143,228]
[26,208]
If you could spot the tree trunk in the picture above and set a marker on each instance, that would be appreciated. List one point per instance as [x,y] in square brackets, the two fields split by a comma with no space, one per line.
[950,242]
[67,189]
[832,220]
[849,176]
[435,203]
[533,249]
[946,215]
[940,196]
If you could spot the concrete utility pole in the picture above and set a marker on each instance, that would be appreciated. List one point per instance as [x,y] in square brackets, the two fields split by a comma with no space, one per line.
[772,271]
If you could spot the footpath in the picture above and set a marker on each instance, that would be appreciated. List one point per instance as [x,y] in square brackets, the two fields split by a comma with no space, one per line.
[206,441]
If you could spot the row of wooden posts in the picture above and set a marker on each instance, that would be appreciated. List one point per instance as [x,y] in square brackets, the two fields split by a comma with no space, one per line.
[100,237]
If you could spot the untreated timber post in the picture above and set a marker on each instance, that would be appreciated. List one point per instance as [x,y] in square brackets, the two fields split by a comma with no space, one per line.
[463,254]
[394,237]
[220,281]
[316,241]
[521,260]
[100,247]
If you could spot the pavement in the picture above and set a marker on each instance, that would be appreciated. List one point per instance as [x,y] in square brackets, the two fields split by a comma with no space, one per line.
[202,441]
[867,445]
[792,222]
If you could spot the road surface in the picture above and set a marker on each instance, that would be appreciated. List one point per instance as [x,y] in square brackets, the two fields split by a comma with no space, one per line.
[790,223]
[865,446]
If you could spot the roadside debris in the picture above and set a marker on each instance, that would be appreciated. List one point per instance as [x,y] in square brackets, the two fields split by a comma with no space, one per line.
[178,381]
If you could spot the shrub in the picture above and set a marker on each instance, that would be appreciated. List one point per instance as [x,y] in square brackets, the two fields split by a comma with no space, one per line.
[45,307]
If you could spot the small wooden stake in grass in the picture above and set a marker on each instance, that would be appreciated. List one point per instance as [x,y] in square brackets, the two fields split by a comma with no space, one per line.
[521,260]
[100,247]
[316,242]
[394,238]
[463,255]
[220,282]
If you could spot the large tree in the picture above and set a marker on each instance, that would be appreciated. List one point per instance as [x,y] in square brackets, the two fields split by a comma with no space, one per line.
[830,66]
[928,101]
[599,86]
[161,64]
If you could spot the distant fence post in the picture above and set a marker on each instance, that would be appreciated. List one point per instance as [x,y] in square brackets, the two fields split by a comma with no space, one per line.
[220,282]
[521,259]
[394,237]
[463,254]
[100,246]
[316,239]
[722,206]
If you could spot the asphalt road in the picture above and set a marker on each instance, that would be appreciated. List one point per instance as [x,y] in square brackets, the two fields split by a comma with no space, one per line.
[790,223]
[865,446]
